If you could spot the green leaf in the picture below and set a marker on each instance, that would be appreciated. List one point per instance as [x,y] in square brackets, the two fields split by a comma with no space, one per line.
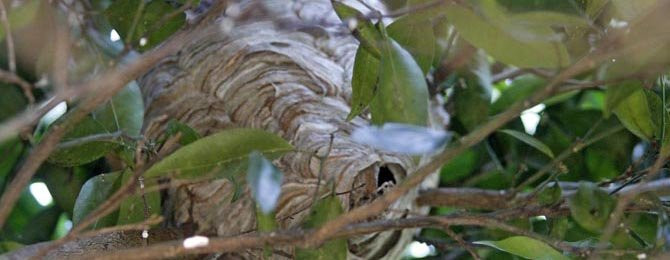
[459,167]
[12,150]
[266,223]
[616,93]
[223,151]
[12,101]
[402,96]
[601,164]
[418,8]
[20,16]
[507,40]
[132,209]
[471,101]
[590,207]
[365,32]
[7,246]
[64,185]
[547,19]
[94,192]
[635,115]
[188,135]
[525,247]
[363,82]
[25,209]
[323,211]
[121,14]
[520,88]
[532,141]
[414,32]
[629,11]
[660,118]
[124,113]
[265,181]
[550,195]
[41,226]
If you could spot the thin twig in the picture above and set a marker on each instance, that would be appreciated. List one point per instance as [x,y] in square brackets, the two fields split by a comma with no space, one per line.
[11,55]
[104,88]
[461,242]
[153,220]
[105,137]
[575,147]
[61,56]
[627,197]
[301,237]
[322,164]
[379,205]
[26,87]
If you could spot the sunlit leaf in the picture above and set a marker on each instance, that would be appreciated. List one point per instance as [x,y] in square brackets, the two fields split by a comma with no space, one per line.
[218,153]
[508,41]
[264,180]
[324,210]
[363,82]
[402,95]
[532,141]
[94,192]
[525,247]
[401,138]
[591,207]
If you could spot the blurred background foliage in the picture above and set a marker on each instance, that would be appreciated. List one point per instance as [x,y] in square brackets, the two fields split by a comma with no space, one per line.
[609,133]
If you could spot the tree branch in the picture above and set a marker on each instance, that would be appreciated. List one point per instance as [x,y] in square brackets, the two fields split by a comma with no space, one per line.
[26,87]
[11,55]
[102,89]
[471,139]
[474,198]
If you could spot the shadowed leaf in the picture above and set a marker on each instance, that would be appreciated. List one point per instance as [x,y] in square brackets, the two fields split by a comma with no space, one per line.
[529,140]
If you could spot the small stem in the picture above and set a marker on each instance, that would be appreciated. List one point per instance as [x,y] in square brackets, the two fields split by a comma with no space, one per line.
[10,40]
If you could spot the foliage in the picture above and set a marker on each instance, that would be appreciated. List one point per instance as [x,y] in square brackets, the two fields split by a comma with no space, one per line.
[597,69]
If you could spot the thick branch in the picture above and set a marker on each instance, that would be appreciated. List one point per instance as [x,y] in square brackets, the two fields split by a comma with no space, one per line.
[474,198]
[301,237]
